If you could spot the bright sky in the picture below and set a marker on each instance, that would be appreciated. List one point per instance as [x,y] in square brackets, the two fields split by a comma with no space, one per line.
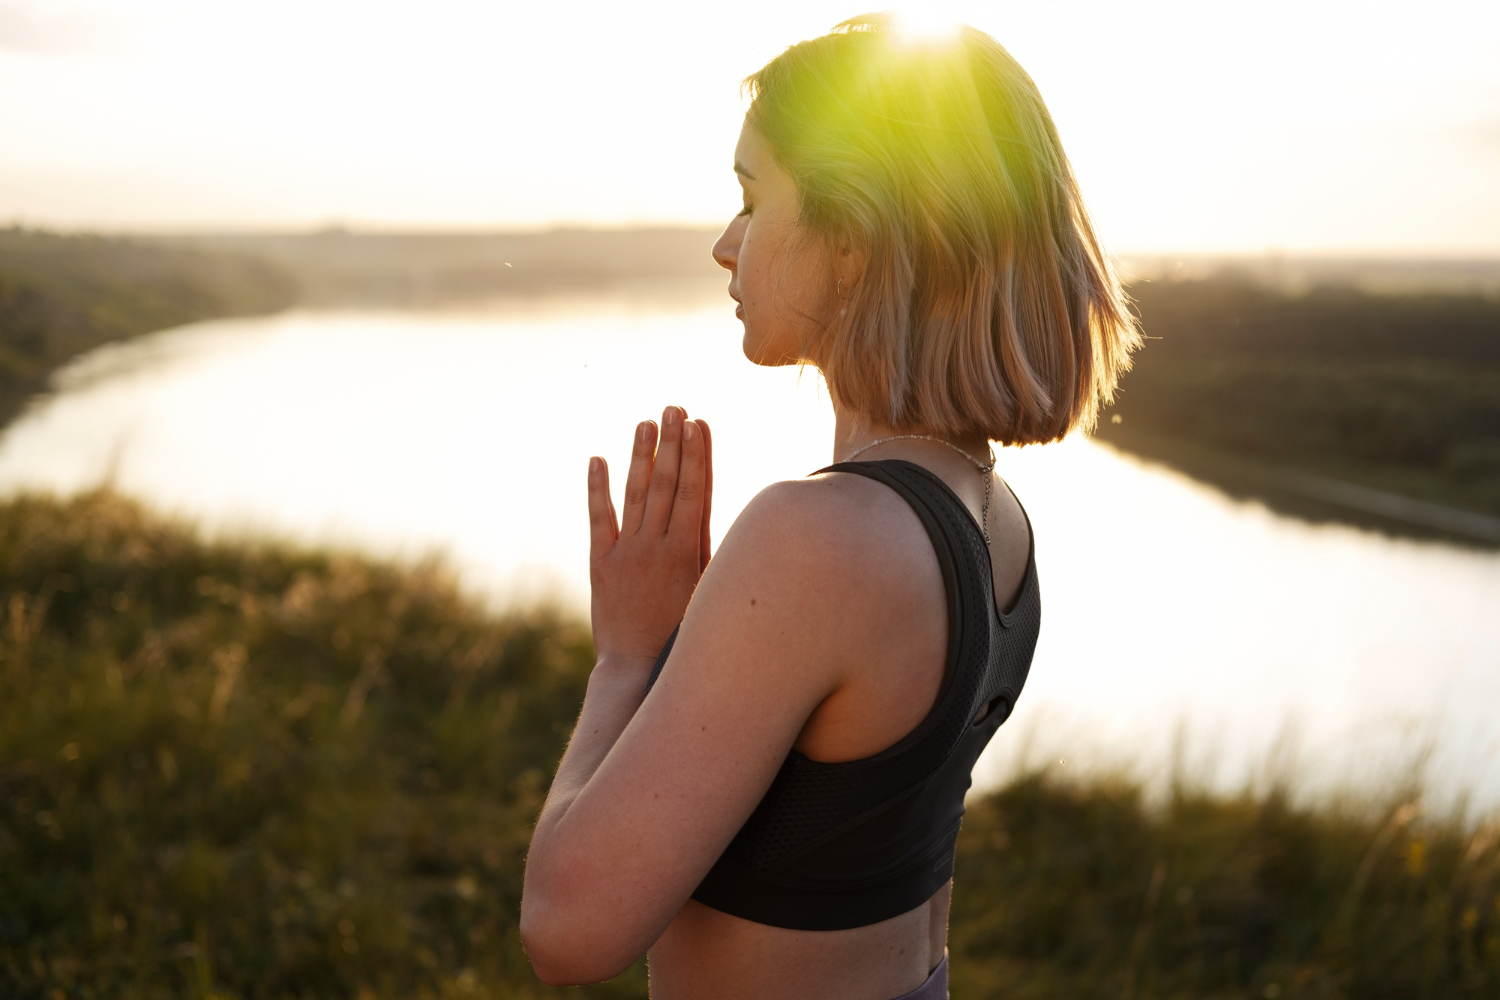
[1324,125]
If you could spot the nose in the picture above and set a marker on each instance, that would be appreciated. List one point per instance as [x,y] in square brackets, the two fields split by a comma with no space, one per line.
[727,246]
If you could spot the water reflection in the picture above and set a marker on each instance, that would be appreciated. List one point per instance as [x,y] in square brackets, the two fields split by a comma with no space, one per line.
[467,433]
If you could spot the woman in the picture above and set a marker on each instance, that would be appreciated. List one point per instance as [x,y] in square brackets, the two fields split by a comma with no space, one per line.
[765,801]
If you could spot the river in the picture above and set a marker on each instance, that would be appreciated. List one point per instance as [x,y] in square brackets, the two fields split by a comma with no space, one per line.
[1179,625]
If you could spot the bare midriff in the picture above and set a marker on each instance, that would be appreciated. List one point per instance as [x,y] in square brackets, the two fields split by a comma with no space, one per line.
[709,955]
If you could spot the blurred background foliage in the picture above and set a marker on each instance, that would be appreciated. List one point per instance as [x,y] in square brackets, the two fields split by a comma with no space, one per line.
[1088,890]
[1399,392]
[248,771]
[63,295]
[242,772]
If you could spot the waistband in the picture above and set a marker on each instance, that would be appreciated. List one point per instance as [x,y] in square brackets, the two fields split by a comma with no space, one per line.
[936,986]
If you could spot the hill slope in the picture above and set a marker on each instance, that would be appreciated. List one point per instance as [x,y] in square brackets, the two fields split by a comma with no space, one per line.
[63,295]
[1393,392]
[254,772]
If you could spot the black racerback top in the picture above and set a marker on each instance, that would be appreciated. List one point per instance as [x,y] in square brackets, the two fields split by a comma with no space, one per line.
[852,843]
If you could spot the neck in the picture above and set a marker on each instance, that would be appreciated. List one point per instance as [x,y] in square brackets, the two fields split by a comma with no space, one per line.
[852,430]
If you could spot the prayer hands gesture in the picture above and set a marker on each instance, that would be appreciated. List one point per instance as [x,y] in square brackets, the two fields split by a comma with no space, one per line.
[643,569]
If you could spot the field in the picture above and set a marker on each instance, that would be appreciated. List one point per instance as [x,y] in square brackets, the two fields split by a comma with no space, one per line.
[245,771]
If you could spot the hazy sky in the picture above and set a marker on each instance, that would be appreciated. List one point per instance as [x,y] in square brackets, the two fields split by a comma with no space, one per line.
[1291,124]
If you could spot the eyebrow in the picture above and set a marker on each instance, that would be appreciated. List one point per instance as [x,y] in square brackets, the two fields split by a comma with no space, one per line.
[739,168]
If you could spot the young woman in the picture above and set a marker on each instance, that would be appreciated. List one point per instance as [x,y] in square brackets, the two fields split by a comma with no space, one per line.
[765,800]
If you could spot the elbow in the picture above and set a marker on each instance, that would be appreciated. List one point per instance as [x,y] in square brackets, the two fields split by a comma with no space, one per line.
[567,951]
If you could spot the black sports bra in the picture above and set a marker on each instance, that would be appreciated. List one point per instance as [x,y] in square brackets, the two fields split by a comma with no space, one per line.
[837,845]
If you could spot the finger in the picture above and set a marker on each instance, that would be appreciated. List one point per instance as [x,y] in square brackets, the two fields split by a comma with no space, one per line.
[613,518]
[686,525]
[603,532]
[705,541]
[638,478]
[663,489]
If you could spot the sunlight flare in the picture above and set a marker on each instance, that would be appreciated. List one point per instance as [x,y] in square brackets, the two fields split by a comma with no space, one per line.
[927,25]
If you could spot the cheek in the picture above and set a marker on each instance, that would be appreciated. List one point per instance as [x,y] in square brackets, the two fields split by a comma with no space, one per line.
[757,284]
[753,269]
[783,302]
[759,293]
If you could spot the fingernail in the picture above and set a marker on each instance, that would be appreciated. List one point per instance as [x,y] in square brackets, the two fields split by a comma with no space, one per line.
[670,417]
[595,464]
[643,432]
[689,430]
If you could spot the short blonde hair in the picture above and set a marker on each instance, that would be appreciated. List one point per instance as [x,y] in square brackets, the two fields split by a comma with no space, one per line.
[986,306]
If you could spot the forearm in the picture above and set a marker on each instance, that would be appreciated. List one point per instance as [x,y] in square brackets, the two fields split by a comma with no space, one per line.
[615,690]
[643,569]
[548,921]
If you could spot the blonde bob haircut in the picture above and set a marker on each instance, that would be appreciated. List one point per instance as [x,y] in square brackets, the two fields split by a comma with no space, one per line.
[986,306]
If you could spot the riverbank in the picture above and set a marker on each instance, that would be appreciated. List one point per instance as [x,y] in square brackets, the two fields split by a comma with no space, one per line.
[1263,391]
[1334,494]
[1375,401]
[254,771]
[61,296]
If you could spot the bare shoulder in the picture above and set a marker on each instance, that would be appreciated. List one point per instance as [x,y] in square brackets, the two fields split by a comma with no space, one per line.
[851,519]
[837,543]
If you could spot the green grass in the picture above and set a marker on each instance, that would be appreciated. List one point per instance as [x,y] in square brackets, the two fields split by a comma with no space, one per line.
[1083,891]
[243,771]
[255,773]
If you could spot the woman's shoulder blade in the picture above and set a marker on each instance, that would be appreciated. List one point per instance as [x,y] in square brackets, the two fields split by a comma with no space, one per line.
[836,534]
[816,583]
[840,515]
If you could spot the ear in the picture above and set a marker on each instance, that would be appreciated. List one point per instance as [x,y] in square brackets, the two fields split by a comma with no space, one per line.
[849,263]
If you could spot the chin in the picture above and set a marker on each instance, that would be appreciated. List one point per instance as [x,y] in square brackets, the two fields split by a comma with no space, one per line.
[770,359]
[767,354]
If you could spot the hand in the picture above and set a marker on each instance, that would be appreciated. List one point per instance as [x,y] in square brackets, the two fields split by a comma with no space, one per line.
[643,569]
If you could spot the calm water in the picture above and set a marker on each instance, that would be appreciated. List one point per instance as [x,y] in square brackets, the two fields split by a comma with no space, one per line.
[1172,614]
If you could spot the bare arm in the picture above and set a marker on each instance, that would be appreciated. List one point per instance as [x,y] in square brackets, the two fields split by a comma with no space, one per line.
[651,791]
[643,570]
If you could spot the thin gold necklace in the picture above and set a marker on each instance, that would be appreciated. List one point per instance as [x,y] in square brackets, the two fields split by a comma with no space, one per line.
[984,470]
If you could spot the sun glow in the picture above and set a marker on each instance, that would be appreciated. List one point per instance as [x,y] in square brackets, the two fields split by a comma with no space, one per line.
[927,24]
[135,114]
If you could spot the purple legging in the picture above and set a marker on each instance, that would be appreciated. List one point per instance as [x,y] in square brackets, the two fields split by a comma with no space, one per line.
[936,986]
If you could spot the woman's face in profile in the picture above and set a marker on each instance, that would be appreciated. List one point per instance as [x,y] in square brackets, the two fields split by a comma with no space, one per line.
[779,273]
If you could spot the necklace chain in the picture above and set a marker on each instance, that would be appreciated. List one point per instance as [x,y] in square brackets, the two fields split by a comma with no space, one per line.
[984,469]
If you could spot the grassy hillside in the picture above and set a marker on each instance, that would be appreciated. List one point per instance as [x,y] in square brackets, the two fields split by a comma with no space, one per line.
[1394,392]
[257,773]
[63,295]
[1082,891]
[251,772]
